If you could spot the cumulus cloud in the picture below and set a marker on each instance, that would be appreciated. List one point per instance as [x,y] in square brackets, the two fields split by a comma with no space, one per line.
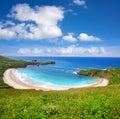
[80,3]
[86,37]
[72,50]
[6,33]
[69,38]
[34,23]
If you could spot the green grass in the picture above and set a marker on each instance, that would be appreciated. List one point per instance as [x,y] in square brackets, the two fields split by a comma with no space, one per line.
[87,103]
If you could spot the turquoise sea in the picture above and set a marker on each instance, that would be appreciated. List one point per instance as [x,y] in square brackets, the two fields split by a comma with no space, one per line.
[62,75]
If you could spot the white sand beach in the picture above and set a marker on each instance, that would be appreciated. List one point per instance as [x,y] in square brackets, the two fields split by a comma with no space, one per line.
[101,82]
[10,79]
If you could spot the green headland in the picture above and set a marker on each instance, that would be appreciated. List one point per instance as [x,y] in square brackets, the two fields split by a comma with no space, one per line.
[111,74]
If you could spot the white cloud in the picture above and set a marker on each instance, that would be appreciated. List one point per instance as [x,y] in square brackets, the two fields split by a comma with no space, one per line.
[72,50]
[86,37]
[37,51]
[24,51]
[69,38]
[6,33]
[80,3]
[78,51]
[47,15]
[35,23]
[96,50]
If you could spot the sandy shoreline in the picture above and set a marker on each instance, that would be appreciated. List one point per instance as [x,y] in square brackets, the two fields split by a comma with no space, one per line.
[10,79]
[101,82]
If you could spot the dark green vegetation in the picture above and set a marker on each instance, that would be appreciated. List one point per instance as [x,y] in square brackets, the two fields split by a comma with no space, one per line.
[112,74]
[6,63]
[86,103]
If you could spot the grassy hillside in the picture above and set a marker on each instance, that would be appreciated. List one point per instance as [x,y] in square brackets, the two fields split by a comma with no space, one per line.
[86,103]
[6,63]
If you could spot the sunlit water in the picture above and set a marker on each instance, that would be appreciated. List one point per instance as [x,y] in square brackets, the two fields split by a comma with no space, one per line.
[62,75]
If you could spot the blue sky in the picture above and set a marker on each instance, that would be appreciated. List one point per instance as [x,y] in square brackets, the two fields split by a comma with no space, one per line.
[60,28]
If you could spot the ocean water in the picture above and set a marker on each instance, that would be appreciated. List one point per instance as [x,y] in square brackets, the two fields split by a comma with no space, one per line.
[62,75]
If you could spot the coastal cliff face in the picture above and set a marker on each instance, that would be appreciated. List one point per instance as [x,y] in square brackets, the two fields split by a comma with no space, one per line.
[6,63]
[112,74]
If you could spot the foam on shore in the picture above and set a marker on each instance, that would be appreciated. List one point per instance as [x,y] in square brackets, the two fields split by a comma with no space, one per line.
[10,79]
[16,80]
